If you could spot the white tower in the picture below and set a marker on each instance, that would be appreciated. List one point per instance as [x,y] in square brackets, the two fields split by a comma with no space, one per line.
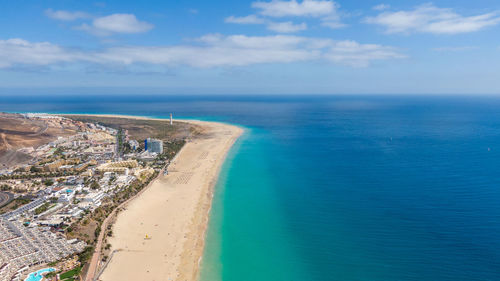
[171,123]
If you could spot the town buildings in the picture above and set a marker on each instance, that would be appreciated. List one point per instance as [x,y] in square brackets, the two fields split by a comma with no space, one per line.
[67,179]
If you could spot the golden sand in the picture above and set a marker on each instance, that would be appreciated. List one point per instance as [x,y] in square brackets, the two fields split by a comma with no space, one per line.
[172,212]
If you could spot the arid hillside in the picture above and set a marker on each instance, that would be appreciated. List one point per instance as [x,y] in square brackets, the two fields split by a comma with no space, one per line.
[17,132]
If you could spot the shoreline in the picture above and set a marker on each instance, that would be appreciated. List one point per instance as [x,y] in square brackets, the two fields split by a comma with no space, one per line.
[173,211]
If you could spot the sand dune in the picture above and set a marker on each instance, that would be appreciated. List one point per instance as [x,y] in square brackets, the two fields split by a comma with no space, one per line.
[173,212]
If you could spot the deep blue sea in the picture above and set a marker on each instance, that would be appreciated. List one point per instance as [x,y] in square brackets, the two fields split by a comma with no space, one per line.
[341,187]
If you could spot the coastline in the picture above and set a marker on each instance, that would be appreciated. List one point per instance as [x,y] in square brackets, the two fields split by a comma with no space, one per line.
[173,211]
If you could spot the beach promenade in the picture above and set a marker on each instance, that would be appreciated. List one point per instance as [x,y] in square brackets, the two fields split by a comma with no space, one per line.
[160,234]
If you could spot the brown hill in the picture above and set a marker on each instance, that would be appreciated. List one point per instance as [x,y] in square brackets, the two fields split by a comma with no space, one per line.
[17,132]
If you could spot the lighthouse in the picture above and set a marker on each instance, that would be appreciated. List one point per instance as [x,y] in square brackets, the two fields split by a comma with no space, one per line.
[171,122]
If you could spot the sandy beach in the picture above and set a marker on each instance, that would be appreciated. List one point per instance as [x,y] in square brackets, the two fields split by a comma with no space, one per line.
[172,212]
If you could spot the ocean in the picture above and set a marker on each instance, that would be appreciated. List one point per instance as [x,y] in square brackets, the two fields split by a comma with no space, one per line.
[340,187]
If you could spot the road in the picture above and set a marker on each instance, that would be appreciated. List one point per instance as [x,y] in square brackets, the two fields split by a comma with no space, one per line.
[5,198]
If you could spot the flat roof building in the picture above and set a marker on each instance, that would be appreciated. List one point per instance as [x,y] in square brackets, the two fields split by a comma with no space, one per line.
[154,145]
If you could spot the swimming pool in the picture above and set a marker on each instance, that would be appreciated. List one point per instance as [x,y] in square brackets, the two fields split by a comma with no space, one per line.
[37,275]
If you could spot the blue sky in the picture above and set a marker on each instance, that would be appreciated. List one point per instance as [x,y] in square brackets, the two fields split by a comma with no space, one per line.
[250,47]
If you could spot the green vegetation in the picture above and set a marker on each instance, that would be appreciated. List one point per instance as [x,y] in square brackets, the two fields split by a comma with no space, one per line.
[171,148]
[48,182]
[70,275]
[35,169]
[22,201]
[94,185]
[42,208]
[50,274]
[127,148]
[14,204]
[30,175]
[86,254]
[59,152]
[5,187]
[120,139]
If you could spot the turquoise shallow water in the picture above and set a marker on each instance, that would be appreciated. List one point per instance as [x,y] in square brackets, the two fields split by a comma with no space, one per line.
[365,188]
[245,194]
[37,275]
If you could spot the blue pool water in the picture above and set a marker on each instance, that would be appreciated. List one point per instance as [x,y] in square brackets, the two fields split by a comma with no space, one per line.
[37,275]
[365,188]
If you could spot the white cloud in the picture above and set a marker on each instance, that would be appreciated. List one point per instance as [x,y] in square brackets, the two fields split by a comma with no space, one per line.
[230,51]
[241,50]
[333,24]
[326,11]
[66,15]
[250,19]
[359,55]
[307,8]
[252,42]
[455,49]
[116,23]
[332,21]
[381,7]
[430,19]
[103,26]
[286,27]
[21,52]
[280,27]
[209,51]
[122,23]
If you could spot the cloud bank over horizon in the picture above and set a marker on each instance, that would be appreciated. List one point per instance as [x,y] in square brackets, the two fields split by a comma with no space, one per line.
[213,50]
